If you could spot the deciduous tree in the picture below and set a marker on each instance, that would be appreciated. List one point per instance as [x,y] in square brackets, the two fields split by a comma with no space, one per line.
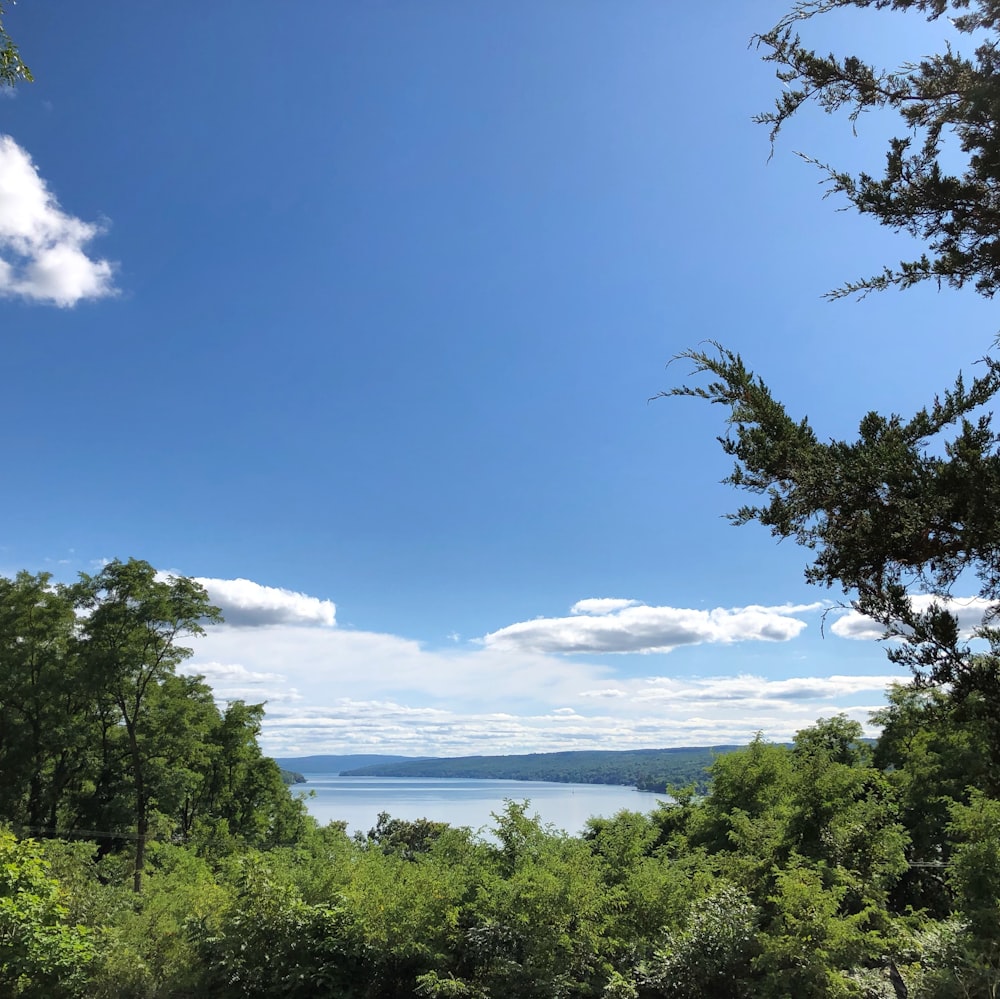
[132,629]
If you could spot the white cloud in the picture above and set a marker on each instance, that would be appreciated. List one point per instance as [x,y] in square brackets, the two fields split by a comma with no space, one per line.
[390,726]
[341,690]
[970,612]
[623,626]
[757,690]
[218,674]
[42,255]
[245,603]
[233,682]
[365,665]
[601,605]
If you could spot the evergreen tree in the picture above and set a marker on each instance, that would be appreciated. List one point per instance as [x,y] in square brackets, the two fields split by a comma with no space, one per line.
[909,507]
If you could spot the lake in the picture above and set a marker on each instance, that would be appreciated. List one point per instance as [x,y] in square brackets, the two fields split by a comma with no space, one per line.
[463,801]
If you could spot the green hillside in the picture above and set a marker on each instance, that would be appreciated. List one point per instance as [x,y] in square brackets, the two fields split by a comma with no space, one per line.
[647,769]
[337,764]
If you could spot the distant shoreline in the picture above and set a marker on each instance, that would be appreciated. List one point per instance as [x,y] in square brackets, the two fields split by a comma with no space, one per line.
[654,770]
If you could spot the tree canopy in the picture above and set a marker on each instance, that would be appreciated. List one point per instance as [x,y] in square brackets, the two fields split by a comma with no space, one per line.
[947,106]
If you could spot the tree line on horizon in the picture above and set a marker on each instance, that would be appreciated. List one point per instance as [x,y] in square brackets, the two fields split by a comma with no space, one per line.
[645,769]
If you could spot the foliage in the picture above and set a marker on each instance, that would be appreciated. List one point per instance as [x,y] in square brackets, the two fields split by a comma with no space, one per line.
[647,769]
[781,881]
[883,514]
[882,879]
[43,691]
[42,956]
[946,102]
[711,955]
[910,504]
[272,943]
[100,736]
[12,67]
[130,633]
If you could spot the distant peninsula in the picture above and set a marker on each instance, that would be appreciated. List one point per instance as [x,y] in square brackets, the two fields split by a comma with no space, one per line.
[339,764]
[645,769]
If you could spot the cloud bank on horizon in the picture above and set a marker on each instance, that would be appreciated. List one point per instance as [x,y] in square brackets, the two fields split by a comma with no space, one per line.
[42,249]
[518,689]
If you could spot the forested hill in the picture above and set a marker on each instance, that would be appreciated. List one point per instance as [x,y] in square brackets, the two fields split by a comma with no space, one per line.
[647,769]
[338,764]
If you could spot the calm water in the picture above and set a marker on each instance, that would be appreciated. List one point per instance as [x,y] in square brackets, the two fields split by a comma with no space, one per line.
[463,802]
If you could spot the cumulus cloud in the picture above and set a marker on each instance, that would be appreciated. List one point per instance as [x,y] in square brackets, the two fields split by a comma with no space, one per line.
[623,626]
[334,690]
[970,612]
[245,603]
[601,605]
[343,690]
[42,249]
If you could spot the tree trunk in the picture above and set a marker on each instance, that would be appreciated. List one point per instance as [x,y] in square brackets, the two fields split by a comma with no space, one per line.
[141,805]
[141,828]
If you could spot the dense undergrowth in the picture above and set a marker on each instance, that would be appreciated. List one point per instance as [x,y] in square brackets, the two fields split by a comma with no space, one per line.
[829,868]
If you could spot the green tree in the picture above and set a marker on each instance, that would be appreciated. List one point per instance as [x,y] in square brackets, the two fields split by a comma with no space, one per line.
[44,730]
[809,945]
[539,924]
[271,943]
[843,814]
[938,98]
[746,811]
[900,508]
[931,755]
[12,67]
[898,517]
[403,837]
[134,621]
[910,504]
[42,956]
[652,888]
[711,955]
[242,789]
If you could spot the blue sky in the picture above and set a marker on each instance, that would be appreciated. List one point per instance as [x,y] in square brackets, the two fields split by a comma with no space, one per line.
[354,311]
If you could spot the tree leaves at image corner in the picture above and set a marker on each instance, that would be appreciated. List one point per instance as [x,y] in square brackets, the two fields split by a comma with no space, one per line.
[942,100]
[12,67]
